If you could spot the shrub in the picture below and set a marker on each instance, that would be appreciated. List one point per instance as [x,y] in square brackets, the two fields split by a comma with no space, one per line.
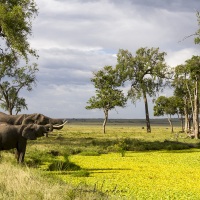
[89,153]
[81,173]
[62,164]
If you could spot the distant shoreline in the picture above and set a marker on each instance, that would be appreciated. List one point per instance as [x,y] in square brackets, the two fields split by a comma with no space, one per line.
[136,122]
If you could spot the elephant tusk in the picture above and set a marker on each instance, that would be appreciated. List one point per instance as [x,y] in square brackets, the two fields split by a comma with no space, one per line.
[59,126]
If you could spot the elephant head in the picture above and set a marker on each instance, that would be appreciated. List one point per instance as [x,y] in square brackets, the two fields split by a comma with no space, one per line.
[33,131]
[41,119]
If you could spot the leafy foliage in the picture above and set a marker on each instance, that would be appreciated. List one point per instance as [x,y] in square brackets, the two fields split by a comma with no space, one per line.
[12,80]
[145,71]
[197,39]
[165,106]
[107,94]
[16,25]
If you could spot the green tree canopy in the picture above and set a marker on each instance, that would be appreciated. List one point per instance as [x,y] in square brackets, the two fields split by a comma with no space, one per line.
[167,106]
[197,38]
[16,26]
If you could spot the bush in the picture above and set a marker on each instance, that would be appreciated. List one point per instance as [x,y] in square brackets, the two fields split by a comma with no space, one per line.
[128,144]
[51,161]
[62,164]
[59,165]
[81,173]
[89,153]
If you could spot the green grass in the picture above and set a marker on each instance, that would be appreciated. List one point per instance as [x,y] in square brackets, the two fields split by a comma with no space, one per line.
[124,163]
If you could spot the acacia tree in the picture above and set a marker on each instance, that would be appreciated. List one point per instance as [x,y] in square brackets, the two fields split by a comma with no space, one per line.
[108,96]
[15,27]
[146,72]
[167,106]
[12,80]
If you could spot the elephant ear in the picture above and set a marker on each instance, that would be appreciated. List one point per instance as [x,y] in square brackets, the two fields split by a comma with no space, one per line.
[29,132]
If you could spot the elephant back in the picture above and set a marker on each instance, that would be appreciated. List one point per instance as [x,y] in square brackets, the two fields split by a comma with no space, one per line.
[18,119]
[33,119]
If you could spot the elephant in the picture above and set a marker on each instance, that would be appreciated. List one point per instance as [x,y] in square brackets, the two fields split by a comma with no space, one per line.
[35,118]
[16,136]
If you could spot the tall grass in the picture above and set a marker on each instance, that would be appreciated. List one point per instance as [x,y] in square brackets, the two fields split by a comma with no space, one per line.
[19,182]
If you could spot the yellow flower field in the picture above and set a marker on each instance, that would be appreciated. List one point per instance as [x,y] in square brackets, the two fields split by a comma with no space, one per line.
[146,175]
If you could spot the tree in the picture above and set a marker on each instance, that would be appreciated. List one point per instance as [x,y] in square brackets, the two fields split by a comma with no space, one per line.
[186,81]
[12,80]
[194,68]
[183,87]
[146,72]
[15,27]
[184,111]
[107,95]
[166,106]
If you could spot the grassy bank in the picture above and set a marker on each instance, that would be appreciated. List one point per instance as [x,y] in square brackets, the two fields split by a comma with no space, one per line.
[22,183]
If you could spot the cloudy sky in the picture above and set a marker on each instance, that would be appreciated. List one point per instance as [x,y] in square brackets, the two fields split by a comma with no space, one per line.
[77,37]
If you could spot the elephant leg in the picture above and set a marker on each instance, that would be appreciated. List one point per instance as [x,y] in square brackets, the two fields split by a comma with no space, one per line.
[21,157]
[16,154]
[21,151]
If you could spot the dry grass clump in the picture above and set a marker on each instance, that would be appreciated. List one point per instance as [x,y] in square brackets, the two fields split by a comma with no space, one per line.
[19,183]
[22,183]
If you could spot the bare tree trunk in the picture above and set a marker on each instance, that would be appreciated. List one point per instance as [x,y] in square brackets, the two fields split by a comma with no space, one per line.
[181,118]
[10,110]
[190,121]
[196,111]
[147,113]
[186,115]
[170,122]
[190,97]
[182,121]
[105,121]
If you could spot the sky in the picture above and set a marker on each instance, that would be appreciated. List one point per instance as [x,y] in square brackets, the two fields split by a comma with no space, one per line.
[75,38]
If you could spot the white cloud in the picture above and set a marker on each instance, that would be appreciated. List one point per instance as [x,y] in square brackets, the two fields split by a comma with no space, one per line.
[76,37]
[175,58]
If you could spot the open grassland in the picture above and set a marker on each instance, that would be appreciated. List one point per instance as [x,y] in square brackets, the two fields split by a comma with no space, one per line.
[79,162]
